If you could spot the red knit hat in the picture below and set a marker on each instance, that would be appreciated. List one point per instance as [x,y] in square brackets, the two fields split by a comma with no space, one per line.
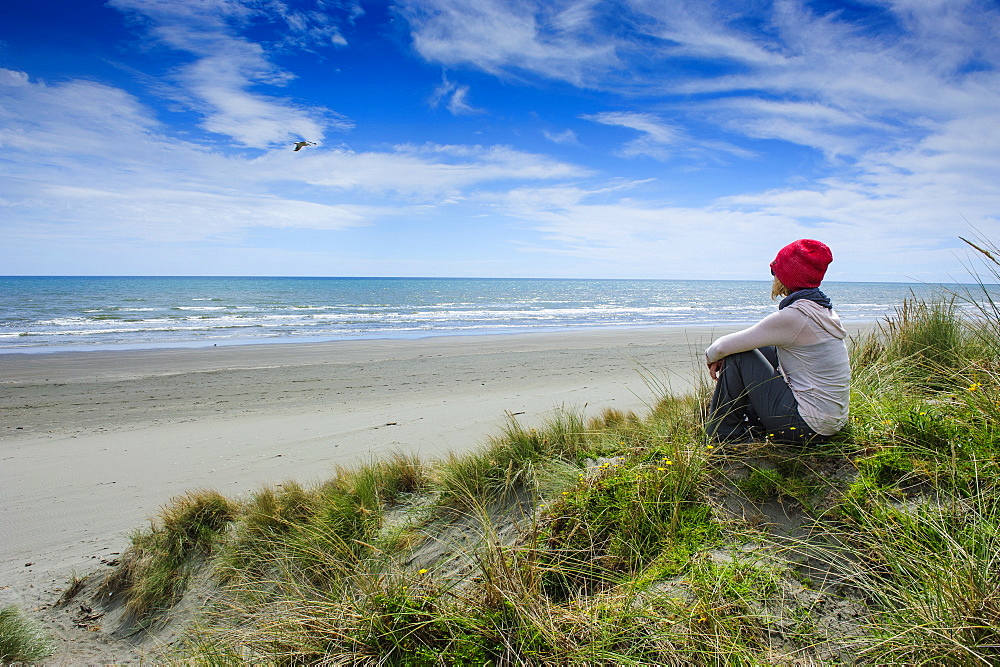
[802,264]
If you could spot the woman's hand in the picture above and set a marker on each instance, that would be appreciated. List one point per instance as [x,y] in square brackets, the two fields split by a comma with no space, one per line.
[714,367]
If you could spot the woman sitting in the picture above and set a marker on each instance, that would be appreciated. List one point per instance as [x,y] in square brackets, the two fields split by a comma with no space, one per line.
[786,378]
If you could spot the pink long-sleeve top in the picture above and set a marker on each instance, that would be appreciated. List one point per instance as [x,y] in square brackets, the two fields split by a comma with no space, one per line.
[812,356]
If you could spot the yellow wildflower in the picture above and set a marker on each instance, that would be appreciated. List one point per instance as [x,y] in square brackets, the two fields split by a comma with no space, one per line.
[423,571]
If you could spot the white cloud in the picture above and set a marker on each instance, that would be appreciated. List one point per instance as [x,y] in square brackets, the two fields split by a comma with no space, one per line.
[424,172]
[176,216]
[78,118]
[459,105]
[650,240]
[656,136]
[553,39]
[455,98]
[565,137]
[696,29]
[661,140]
[253,120]
[615,234]
[317,26]
[9,77]
[783,72]
[217,83]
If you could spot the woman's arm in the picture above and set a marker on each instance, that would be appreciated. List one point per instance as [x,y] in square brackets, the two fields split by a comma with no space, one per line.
[780,328]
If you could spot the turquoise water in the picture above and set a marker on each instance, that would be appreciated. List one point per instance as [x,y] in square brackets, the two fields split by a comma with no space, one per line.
[80,313]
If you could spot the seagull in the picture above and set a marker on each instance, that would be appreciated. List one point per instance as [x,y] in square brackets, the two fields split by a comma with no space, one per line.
[299,145]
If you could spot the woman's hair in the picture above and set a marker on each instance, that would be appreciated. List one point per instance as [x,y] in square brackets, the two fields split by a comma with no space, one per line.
[778,289]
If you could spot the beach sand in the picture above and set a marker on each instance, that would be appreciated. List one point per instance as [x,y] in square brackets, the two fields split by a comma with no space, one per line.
[92,444]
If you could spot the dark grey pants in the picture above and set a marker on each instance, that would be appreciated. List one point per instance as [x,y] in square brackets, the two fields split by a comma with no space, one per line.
[752,400]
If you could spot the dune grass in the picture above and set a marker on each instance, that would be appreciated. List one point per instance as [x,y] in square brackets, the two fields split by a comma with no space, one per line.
[155,569]
[624,538]
[22,640]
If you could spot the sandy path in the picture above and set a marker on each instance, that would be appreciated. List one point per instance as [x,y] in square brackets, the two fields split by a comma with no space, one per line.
[93,443]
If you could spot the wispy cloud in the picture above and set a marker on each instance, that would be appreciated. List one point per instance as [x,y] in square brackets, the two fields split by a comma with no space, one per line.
[226,65]
[417,172]
[656,137]
[729,237]
[182,215]
[564,137]
[318,25]
[701,30]
[661,140]
[552,39]
[75,119]
[611,226]
[455,98]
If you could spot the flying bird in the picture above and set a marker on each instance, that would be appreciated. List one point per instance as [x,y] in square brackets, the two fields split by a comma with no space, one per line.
[299,145]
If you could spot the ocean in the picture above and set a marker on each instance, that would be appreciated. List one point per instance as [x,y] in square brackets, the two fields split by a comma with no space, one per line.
[48,314]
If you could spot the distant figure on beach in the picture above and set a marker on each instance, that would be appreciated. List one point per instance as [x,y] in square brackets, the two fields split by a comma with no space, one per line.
[786,378]
[299,145]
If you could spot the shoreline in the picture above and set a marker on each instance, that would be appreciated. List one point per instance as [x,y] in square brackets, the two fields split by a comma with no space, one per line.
[94,443]
[72,363]
[89,348]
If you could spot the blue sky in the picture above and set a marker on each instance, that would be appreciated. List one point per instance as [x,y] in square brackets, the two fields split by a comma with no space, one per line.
[559,138]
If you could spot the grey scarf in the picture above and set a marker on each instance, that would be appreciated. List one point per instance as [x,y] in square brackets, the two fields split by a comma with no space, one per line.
[811,293]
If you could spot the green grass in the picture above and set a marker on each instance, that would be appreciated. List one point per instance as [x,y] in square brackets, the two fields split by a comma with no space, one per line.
[931,572]
[21,639]
[625,538]
[515,460]
[155,569]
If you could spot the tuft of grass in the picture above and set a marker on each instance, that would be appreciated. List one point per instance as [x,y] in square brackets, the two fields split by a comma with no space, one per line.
[761,483]
[73,587]
[612,419]
[22,640]
[924,343]
[644,507]
[314,530]
[385,481]
[156,567]
[512,461]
